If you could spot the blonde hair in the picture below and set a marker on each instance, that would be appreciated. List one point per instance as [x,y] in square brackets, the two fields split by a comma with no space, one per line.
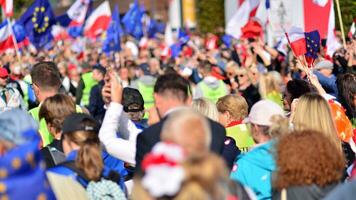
[313,112]
[207,108]
[236,105]
[269,82]
[232,65]
[189,129]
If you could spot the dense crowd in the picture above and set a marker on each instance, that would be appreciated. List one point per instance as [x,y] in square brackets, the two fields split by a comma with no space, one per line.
[215,120]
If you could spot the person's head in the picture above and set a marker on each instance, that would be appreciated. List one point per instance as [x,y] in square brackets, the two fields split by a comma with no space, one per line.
[54,110]
[205,68]
[4,76]
[325,67]
[154,66]
[268,83]
[13,124]
[346,85]
[189,129]
[171,90]
[98,72]
[80,132]
[254,74]
[294,89]
[231,69]
[306,158]
[206,107]
[46,80]
[243,77]
[231,108]
[267,121]
[63,70]
[133,104]
[313,112]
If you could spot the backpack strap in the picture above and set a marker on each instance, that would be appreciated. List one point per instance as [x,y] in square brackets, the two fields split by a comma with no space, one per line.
[71,165]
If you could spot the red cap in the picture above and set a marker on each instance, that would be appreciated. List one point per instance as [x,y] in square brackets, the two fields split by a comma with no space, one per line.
[217,73]
[3,73]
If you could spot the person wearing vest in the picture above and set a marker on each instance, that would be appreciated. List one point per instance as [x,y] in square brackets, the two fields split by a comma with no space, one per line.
[46,82]
[232,110]
[210,87]
[96,102]
[144,84]
[86,83]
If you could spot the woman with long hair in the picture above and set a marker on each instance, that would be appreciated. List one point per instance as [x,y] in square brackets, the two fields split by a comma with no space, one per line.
[309,166]
[312,111]
[270,87]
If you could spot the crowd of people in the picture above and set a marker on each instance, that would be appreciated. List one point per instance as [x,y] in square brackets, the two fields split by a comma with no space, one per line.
[216,121]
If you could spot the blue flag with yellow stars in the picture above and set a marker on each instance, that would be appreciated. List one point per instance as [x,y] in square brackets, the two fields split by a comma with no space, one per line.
[114,33]
[313,44]
[37,21]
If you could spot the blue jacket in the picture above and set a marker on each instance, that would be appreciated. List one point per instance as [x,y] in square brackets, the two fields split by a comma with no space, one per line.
[254,169]
[109,165]
[328,83]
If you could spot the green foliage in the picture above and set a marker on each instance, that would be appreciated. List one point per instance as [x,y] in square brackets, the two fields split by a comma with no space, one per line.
[210,15]
[348,13]
[20,6]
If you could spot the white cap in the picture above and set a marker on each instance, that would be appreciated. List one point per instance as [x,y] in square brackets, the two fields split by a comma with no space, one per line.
[262,111]
[324,64]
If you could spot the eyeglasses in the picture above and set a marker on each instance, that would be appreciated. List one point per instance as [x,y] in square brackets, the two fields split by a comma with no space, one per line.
[5,77]
[241,75]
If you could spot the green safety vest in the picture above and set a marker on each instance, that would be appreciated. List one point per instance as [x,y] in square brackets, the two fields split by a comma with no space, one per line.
[147,95]
[46,136]
[241,135]
[89,83]
[276,97]
[213,94]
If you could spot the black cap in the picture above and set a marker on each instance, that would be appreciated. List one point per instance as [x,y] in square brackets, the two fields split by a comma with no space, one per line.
[100,68]
[74,122]
[130,98]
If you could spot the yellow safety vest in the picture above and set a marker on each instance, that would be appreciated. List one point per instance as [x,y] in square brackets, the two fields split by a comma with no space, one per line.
[241,135]
[213,94]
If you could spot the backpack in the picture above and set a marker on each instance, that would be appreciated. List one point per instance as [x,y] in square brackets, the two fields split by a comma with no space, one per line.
[105,189]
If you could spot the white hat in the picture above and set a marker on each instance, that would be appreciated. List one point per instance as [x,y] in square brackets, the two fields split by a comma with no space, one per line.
[262,111]
[324,64]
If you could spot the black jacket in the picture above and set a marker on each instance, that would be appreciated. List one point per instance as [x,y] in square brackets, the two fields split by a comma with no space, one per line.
[96,102]
[150,136]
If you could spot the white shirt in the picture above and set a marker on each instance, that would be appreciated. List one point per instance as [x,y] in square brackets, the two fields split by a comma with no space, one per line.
[123,148]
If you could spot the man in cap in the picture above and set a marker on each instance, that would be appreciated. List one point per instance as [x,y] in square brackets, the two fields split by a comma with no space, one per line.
[133,105]
[96,103]
[323,70]
[254,169]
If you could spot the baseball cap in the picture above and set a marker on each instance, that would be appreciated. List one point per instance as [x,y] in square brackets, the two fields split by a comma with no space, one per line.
[131,97]
[74,122]
[324,64]
[262,111]
[3,73]
[100,68]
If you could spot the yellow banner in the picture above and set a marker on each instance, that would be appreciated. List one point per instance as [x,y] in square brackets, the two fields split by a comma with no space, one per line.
[189,19]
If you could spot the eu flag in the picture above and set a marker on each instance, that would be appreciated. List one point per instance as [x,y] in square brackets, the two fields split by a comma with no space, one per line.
[183,37]
[114,33]
[38,21]
[132,20]
[227,40]
[313,44]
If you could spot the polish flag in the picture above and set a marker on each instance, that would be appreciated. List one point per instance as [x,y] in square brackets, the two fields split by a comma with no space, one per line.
[246,11]
[59,33]
[7,6]
[98,21]
[6,40]
[352,29]
[296,40]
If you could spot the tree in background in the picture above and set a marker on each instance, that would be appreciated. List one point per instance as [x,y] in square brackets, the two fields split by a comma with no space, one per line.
[210,15]
[348,13]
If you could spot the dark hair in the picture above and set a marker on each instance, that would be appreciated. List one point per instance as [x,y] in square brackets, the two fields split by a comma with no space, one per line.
[173,85]
[89,158]
[305,158]
[205,65]
[297,88]
[55,109]
[346,86]
[46,76]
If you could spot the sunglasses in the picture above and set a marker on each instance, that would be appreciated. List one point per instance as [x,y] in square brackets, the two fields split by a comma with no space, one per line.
[241,75]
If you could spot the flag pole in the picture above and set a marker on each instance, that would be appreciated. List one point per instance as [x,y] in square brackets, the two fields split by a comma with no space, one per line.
[340,22]
[14,41]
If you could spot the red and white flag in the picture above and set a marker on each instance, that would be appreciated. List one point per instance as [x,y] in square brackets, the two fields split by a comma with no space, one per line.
[7,7]
[296,40]
[246,11]
[6,40]
[98,21]
[352,29]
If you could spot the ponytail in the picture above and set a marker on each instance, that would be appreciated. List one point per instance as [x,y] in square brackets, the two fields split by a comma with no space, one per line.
[279,127]
[89,159]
